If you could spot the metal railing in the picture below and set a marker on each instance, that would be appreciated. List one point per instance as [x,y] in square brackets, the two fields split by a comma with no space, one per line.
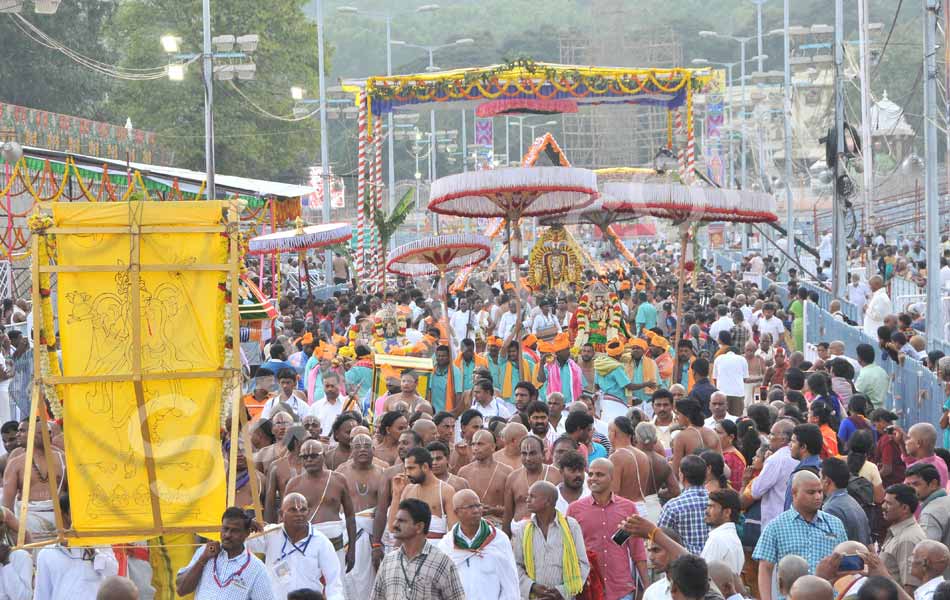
[825,297]
[915,394]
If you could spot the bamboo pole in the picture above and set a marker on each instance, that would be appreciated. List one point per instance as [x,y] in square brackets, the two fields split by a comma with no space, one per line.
[35,395]
[140,269]
[251,469]
[234,276]
[135,279]
[51,476]
[124,377]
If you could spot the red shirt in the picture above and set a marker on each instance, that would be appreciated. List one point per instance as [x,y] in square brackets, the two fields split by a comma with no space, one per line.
[599,523]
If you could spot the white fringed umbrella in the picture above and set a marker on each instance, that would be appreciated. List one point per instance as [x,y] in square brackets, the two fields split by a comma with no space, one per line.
[299,240]
[513,194]
[439,255]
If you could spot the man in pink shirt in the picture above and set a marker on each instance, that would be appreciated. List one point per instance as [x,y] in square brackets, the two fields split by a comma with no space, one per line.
[919,448]
[600,515]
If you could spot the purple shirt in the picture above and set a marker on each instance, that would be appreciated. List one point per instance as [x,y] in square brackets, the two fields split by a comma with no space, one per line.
[934,460]
[772,482]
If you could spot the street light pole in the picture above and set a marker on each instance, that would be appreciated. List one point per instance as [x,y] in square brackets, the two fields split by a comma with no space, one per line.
[742,148]
[787,105]
[758,30]
[935,328]
[389,120]
[324,142]
[208,78]
[840,258]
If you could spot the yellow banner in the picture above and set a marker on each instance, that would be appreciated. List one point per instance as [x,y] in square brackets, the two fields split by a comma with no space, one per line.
[180,323]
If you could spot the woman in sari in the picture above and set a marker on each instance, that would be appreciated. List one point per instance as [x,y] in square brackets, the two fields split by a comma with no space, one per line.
[797,310]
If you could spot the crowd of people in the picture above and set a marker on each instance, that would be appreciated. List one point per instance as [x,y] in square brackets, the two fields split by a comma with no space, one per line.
[547,456]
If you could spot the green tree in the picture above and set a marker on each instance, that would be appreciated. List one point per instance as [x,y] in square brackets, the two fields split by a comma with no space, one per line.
[247,141]
[40,77]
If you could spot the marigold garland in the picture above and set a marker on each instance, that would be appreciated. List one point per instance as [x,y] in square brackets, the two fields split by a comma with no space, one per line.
[46,254]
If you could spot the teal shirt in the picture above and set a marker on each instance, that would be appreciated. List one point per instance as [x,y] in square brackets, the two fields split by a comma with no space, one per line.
[496,369]
[642,393]
[613,383]
[566,388]
[437,383]
[468,373]
[362,378]
[311,363]
[646,316]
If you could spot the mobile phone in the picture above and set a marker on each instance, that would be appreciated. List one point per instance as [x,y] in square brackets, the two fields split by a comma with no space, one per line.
[851,562]
[890,429]
[620,537]
[763,393]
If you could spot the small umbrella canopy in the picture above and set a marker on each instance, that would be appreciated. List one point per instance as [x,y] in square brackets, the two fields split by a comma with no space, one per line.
[439,254]
[682,203]
[514,193]
[301,238]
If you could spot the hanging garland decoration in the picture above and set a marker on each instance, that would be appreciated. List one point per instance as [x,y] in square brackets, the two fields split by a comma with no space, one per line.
[49,364]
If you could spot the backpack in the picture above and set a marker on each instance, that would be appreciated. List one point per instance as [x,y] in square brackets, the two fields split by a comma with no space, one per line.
[862,491]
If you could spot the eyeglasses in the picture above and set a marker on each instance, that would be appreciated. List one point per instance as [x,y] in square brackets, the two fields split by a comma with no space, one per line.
[315,455]
[470,507]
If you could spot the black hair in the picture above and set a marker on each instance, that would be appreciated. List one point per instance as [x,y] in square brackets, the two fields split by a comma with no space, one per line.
[574,460]
[760,415]
[690,576]
[418,510]
[485,385]
[837,471]
[717,465]
[437,446]
[577,420]
[416,438]
[305,594]
[420,455]
[693,469]
[286,373]
[624,425]
[9,427]
[860,446]
[294,437]
[859,404]
[468,415]
[865,353]
[795,379]
[234,513]
[387,421]
[343,418]
[536,407]
[527,385]
[692,410]
[818,384]
[822,412]
[878,414]
[925,471]
[905,495]
[441,416]
[809,436]
[468,343]
[748,439]
[276,350]
[700,366]
[728,498]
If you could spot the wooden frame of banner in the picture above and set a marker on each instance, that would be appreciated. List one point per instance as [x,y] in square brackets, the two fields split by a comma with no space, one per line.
[233,269]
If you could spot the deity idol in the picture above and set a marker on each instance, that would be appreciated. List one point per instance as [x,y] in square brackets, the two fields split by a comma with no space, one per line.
[599,317]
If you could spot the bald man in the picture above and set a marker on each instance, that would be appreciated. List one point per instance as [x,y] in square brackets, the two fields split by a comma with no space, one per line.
[487,476]
[311,562]
[117,588]
[928,563]
[793,532]
[518,483]
[790,568]
[481,552]
[327,496]
[426,430]
[729,583]
[921,439]
[546,542]
[600,515]
[510,455]
[810,587]
[366,481]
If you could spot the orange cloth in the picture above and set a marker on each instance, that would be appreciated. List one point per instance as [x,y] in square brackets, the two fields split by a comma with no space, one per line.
[830,446]
[614,348]
[638,342]
[479,360]
[529,340]
[664,363]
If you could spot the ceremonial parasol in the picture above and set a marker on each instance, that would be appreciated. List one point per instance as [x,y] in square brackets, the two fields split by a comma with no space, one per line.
[301,239]
[687,204]
[514,193]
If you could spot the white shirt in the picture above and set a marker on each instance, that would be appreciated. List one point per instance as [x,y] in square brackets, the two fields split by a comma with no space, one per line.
[711,421]
[543,321]
[773,326]
[327,412]
[858,293]
[506,323]
[879,306]
[729,373]
[660,590]
[295,566]
[723,544]
[489,573]
[926,591]
[243,577]
[945,276]
[461,324]
[300,406]
[496,408]
[63,573]
[723,323]
[562,502]
[747,314]
[16,577]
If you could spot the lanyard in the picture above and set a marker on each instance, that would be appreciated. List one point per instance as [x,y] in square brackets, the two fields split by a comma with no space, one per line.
[405,574]
[233,576]
[295,548]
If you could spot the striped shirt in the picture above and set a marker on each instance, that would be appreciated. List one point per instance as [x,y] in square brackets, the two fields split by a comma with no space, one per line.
[431,575]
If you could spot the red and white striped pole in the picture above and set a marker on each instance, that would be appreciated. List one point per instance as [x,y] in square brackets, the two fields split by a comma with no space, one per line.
[378,254]
[690,138]
[680,150]
[361,192]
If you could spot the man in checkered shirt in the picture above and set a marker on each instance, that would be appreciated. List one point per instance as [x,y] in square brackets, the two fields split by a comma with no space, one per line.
[686,514]
[418,570]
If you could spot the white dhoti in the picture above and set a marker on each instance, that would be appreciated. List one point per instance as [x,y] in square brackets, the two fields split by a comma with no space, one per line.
[649,508]
[140,572]
[358,583]
[335,530]
[40,519]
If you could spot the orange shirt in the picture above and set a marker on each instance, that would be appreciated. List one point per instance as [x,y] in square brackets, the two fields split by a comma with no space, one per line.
[830,446]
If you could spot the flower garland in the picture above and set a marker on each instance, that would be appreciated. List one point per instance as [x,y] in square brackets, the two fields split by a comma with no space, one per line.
[46,254]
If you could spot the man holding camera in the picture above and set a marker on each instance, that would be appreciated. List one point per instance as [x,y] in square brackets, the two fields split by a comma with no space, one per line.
[600,516]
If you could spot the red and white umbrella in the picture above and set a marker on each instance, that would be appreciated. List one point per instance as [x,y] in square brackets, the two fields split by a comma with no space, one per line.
[438,255]
[301,238]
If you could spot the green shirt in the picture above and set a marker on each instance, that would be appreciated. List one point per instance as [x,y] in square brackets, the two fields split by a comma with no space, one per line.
[614,383]
[437,383]
[873,381]
[646,316]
